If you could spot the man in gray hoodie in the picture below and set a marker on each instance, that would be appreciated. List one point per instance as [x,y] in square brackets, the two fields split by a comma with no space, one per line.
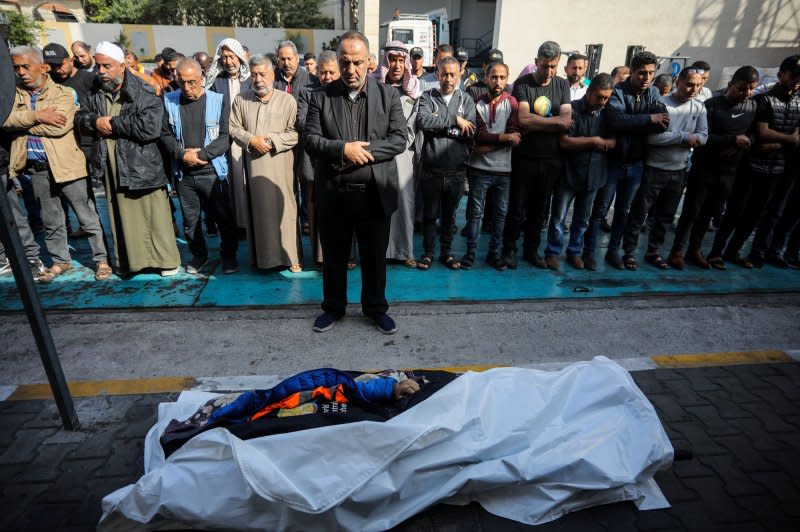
[665,168]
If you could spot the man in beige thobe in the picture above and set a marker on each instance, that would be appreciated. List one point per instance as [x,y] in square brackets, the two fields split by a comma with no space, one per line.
[263,123]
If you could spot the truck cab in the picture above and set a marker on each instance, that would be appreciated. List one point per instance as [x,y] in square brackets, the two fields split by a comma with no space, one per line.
[426,31]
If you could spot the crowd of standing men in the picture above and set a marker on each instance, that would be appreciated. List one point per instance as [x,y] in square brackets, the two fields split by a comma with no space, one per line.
[358,153]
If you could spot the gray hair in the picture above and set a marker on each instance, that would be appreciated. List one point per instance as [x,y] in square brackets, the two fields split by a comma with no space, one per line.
[285,44]
[327,56]
[447,60]
[549,50]
[189,62]
[260,60]
[27,51]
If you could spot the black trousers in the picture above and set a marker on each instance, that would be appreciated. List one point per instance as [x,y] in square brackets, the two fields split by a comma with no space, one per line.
[359,211]
[440,194]
[771,213]
[206,191]
[532,184]
[750,195]
[705,197]
[662,190]
[788,227]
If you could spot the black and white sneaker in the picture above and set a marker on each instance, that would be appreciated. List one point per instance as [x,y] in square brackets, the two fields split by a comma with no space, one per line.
[229,265]
[196,264]
[37,266]
[5,267]
[385,324]
[325,321]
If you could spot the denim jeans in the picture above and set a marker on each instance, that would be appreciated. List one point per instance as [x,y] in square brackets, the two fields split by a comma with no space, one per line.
[661,190]
[624,181]
[480,183]
[562,198]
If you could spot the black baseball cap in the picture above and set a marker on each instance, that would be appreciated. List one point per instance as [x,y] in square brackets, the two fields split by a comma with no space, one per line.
[462,55]
[791,64]
[416,51]
[495,56]
[54,54]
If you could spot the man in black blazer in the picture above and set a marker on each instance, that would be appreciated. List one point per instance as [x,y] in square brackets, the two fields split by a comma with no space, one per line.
[354,128]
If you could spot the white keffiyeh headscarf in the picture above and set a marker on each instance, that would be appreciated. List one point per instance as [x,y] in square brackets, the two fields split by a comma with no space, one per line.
[409,84]
[216,68]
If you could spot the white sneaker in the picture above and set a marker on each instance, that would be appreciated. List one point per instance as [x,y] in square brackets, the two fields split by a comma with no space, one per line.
[170,273]
[5,267]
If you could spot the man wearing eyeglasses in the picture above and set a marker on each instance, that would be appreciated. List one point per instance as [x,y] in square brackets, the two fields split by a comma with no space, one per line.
[195,135]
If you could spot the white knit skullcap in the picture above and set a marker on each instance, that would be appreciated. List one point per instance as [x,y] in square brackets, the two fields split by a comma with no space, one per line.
[111,50]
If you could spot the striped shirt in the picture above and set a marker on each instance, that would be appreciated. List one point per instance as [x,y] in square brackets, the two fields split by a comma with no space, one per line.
[36,151]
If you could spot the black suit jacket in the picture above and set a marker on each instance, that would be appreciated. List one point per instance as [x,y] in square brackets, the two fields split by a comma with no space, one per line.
[324,139]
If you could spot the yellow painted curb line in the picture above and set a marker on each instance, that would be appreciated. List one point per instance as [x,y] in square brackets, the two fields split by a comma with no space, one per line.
[109,387]
[732,358]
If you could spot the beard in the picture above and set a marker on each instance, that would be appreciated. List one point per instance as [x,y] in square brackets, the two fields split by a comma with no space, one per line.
[263,91]
[111,84]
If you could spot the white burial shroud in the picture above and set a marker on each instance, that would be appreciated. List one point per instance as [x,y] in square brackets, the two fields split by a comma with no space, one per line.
[527,445]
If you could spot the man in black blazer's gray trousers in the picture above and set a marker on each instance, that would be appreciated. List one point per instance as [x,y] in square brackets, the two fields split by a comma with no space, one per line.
[354,128]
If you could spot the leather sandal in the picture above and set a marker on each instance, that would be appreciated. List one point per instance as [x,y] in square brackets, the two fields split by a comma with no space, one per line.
[103,272]
[424,262]
[657,260]
[450,262]
[54,271]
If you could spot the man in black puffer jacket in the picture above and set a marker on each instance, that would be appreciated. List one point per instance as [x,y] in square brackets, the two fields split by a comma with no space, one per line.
[124,118]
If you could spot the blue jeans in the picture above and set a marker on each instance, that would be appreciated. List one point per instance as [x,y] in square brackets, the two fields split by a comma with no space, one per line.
[480,182]
[625,181]
[562,198]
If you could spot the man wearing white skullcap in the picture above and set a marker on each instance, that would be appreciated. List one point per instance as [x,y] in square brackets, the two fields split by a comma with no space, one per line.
[124,117]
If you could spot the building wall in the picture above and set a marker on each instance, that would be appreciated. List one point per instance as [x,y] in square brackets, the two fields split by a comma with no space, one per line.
[722,32]
[147,40]
[28,6]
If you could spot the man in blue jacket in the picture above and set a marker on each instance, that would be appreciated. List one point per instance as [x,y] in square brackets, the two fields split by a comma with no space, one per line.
[634,112]
[195,136]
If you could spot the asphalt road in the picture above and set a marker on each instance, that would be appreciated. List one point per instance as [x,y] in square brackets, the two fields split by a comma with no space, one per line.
[279,341]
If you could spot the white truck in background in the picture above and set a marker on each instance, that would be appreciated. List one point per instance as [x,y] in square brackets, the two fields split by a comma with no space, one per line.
[426,31]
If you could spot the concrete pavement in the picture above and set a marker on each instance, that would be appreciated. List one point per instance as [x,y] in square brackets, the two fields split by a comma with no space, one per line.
[279,341]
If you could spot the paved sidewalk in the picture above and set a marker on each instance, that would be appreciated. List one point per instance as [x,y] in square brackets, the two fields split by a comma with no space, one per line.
[736,431]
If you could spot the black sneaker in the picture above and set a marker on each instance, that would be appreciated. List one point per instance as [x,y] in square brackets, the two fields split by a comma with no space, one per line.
[792,260]
[385,324]
[510,260]
[778,262]
[756,259]
[496,262]
[325,321]
[196,264]
[229,265]
[535,259]
[589,263]
[467,260]
[614,260]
